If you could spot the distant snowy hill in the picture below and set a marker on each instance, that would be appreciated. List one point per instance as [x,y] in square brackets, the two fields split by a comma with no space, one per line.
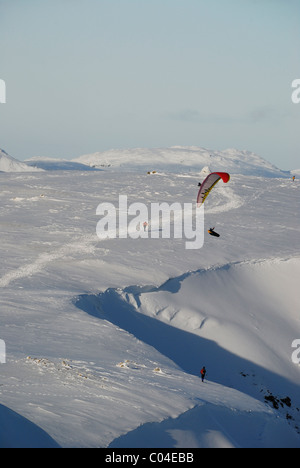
[296,172]
[183,159]
[10,164]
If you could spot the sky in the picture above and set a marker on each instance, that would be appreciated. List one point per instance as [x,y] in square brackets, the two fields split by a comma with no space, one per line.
[91,75]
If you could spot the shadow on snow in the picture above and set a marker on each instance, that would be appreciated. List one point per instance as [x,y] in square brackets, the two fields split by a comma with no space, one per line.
[187,350]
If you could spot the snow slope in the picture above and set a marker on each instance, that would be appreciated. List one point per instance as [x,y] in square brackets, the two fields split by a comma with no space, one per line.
[105,339]
[10,164]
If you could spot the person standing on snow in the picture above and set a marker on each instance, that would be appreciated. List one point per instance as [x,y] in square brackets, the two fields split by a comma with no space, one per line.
[203,373]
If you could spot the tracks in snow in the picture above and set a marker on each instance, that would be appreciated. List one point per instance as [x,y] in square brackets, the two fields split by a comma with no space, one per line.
[83,245]
[86,244]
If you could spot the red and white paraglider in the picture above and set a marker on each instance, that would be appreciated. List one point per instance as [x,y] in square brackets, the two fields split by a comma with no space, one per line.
[209,183]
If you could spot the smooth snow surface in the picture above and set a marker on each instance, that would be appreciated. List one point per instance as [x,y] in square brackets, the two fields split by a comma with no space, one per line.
[105,339]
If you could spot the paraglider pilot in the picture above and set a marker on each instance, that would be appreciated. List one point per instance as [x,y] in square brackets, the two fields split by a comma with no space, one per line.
[212,232]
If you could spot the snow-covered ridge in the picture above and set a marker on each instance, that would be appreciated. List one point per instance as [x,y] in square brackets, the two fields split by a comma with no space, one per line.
[231,332]
[183,159]
[10,164]
[175,159]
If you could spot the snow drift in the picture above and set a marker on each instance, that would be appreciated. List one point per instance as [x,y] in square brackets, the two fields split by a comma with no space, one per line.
[234,318]
[240,322]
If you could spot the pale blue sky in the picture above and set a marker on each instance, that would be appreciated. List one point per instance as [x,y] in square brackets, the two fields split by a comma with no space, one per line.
[89,75]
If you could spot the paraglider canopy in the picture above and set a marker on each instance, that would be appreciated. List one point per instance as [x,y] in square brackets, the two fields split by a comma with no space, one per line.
[208,184]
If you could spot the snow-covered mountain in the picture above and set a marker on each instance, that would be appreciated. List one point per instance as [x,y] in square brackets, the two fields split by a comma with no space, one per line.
[175,159]
[10,164]
[183,159]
